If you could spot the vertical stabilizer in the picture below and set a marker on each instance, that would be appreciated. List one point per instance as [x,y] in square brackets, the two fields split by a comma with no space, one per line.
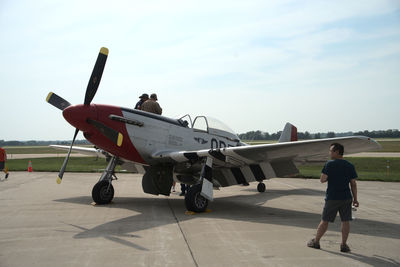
[289,134]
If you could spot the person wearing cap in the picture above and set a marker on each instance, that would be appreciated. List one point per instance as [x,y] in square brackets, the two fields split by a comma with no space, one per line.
[152,105]
[143,99]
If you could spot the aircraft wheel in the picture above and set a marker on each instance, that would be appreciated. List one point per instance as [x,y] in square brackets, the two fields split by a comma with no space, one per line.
[194,201]
[261,187]
[103,192]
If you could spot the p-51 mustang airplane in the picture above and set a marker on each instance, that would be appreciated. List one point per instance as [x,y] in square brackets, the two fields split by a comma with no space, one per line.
[203,153]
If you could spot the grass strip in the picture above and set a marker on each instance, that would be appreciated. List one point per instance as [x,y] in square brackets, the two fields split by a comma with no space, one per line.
[368,169]
[75,164]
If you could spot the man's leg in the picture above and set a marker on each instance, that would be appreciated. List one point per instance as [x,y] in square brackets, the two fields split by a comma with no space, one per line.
[6,171]
[183,189]
[345,231]
[322,227]
[2,167]
[345,216]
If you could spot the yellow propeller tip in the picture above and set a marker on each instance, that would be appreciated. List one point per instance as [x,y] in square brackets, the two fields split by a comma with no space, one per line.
[120,139]
[58,180]
[104,51]
[48,96]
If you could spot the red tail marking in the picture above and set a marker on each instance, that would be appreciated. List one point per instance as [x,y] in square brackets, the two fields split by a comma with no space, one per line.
[293,136]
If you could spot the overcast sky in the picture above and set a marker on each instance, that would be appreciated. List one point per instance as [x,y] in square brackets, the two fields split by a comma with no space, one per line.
[255,65]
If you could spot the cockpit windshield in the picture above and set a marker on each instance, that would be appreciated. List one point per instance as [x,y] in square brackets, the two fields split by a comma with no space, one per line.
[218,125]
[215,127]
[210,125]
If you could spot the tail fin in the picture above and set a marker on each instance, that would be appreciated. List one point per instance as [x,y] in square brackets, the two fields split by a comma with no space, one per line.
[289,133]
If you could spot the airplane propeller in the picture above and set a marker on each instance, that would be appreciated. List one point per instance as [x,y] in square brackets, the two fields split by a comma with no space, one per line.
[62,170]
[91,90]
[110,133]
[57,101]
[95,78]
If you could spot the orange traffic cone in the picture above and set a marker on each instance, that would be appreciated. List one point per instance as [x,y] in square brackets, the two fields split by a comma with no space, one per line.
[30,167]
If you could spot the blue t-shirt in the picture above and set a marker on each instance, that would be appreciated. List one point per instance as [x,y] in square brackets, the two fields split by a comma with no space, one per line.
[339,172]
[139,104]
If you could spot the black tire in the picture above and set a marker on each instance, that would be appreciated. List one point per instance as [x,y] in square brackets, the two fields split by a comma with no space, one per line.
[194,201]
[261,187]
[103,192]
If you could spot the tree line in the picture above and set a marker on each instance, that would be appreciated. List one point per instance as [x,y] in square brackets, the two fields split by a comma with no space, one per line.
[259,135]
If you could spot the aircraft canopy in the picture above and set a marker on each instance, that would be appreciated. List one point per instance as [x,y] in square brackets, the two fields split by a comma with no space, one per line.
[210,125]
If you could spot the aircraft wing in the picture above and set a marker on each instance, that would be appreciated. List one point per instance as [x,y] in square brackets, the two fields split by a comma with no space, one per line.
[238,165]
[95,152]
[316,149]
[91,151]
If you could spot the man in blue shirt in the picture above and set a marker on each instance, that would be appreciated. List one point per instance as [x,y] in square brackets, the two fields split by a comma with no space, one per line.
[143,98]
[339,173]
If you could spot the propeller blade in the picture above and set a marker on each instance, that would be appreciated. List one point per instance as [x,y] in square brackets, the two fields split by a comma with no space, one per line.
[108,132]
[61,173]
[57,101]
[95,78]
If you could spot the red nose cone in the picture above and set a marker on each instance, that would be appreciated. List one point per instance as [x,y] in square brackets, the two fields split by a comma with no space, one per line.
[77,116]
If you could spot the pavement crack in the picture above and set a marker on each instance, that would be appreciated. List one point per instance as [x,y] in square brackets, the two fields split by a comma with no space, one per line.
[183,234]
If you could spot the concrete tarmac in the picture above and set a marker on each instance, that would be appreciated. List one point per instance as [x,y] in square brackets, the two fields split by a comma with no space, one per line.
[45,224]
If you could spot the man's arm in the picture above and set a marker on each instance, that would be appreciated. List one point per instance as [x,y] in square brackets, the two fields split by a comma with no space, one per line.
[158,108]
[323,178]
[353,185]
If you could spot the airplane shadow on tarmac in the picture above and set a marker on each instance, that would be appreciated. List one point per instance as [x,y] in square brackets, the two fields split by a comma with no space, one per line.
[154,212]
[374,260]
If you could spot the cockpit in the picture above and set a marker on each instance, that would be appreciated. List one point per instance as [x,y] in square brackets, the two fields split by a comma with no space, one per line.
[208,125]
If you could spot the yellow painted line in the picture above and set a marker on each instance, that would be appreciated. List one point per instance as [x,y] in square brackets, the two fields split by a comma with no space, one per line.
[104,51]
[48,96]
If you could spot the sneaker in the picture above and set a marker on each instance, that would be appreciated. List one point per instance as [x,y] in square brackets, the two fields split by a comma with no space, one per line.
[6,175]
[344,248]
[313,244]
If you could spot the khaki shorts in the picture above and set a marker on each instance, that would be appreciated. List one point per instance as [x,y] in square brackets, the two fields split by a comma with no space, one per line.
[333,206]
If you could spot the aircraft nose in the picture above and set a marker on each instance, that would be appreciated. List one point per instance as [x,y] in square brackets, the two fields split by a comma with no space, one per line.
[77,116]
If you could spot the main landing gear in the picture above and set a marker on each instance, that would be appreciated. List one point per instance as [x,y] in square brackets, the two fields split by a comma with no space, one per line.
[194,201]
[103,191]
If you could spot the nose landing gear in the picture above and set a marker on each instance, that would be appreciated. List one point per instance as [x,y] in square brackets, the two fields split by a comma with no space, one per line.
[103,190]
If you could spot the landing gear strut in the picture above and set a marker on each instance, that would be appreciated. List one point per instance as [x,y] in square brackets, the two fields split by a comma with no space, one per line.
[103,190]
[261,187]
